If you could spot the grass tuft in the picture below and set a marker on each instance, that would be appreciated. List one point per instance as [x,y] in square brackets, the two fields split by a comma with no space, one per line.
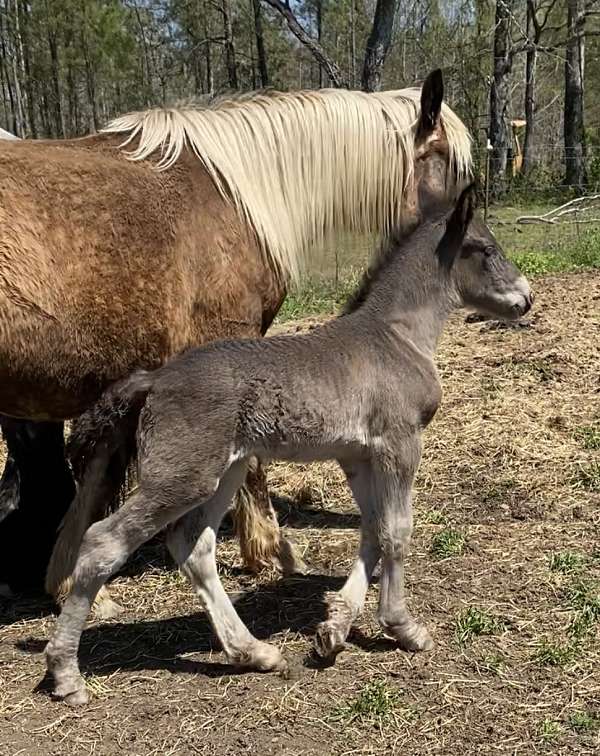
[474,622]
[587,476]
[566,561]
[550,730]
[589,436]
[447,543]
[377,703]
[584,723]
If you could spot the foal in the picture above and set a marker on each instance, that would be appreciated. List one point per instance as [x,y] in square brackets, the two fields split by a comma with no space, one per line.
[360,390]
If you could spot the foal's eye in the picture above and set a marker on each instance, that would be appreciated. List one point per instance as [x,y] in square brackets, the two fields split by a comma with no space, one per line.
[489,250]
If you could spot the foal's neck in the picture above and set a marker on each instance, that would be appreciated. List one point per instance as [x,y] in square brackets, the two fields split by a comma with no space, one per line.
[411,294]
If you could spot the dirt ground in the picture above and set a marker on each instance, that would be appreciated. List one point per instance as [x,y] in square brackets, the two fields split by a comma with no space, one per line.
[504,569]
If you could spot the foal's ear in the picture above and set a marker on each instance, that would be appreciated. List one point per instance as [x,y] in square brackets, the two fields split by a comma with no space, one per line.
[456,226]
[432,95]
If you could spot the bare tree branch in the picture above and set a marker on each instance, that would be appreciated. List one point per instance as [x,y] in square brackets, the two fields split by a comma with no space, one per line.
[330,66]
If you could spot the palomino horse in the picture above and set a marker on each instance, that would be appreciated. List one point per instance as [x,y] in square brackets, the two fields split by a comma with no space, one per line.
[108,264]
[359,389]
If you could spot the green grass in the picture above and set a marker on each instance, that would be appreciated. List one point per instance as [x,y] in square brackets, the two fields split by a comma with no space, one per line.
[550,730]
[433,517]
[587,476]
[589,436]
[584,723]
[474,622]
[566,561]
[555,654]
[318,296]
[447,543]
[376,704]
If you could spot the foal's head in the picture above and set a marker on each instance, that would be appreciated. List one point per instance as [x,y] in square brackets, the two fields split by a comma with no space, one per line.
[480,274]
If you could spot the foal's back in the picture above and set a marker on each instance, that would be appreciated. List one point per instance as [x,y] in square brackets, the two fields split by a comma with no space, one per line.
[343,388]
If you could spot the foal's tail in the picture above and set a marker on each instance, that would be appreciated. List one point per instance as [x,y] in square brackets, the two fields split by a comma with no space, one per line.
[101,445]
[110,424]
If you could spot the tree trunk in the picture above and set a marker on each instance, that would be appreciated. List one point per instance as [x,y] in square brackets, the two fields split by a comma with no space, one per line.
[229,46]
[499,134]
[575,174]
[29,89]
[529,156]
[378,44]
[59,125]
[319,15]
[260,44]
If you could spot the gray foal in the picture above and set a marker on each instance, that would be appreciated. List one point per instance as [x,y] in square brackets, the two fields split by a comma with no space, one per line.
[359,389]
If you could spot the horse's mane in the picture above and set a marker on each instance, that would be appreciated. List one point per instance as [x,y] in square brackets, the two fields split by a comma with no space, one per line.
[300,165]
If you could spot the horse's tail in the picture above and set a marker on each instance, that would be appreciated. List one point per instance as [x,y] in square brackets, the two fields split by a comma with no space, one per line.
[101,445]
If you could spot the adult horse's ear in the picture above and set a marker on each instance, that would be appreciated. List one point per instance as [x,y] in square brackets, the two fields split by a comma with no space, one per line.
[456,226]
[432,95]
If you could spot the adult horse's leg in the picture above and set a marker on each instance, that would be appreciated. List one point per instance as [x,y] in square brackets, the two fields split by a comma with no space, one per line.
[262,543]
[36,490]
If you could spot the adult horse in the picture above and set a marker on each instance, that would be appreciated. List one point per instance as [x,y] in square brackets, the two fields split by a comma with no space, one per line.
[108,264]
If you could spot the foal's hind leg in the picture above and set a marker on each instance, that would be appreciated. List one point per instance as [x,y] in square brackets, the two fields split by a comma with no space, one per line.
[345,606]
[105,548]
[192,542]
[261,541]
[98,488]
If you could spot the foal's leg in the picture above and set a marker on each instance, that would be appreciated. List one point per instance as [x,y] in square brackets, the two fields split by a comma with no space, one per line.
[98,488]
[105,548]
[345,606]
[261,542]
[192,542]
[394,504]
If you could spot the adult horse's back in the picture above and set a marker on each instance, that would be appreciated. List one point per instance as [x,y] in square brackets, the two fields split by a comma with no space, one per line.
[107,264]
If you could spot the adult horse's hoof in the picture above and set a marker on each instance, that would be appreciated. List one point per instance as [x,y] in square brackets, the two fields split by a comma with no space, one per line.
[410,636]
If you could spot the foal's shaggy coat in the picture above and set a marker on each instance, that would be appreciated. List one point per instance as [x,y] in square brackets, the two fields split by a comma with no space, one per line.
[359,389]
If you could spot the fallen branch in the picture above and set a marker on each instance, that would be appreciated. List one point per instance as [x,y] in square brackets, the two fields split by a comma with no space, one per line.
[569,212]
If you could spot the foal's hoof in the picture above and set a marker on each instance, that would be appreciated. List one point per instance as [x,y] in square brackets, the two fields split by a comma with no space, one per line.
[77,698]
[330,640]
[410,637]
[264,657]
[72,693]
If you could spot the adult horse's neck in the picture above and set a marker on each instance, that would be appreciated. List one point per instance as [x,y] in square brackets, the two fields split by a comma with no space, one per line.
[410,291]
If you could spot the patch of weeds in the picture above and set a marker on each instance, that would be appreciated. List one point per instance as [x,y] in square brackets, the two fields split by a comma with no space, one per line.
[447,543]
[540,368]
[434,517]
[584,597]
[554,654]
[474,622]
[587,476]
[589,436]
[550,730]
[377,703]
[584,723]
[566,561]
[494,663]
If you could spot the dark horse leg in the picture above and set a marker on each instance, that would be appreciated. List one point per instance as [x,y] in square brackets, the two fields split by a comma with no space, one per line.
[36,490]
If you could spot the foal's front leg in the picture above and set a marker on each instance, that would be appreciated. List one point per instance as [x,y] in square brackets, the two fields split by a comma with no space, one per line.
[345,606]
[394,505]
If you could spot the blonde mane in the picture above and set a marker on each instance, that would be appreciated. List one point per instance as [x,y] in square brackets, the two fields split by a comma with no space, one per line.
[300,165]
